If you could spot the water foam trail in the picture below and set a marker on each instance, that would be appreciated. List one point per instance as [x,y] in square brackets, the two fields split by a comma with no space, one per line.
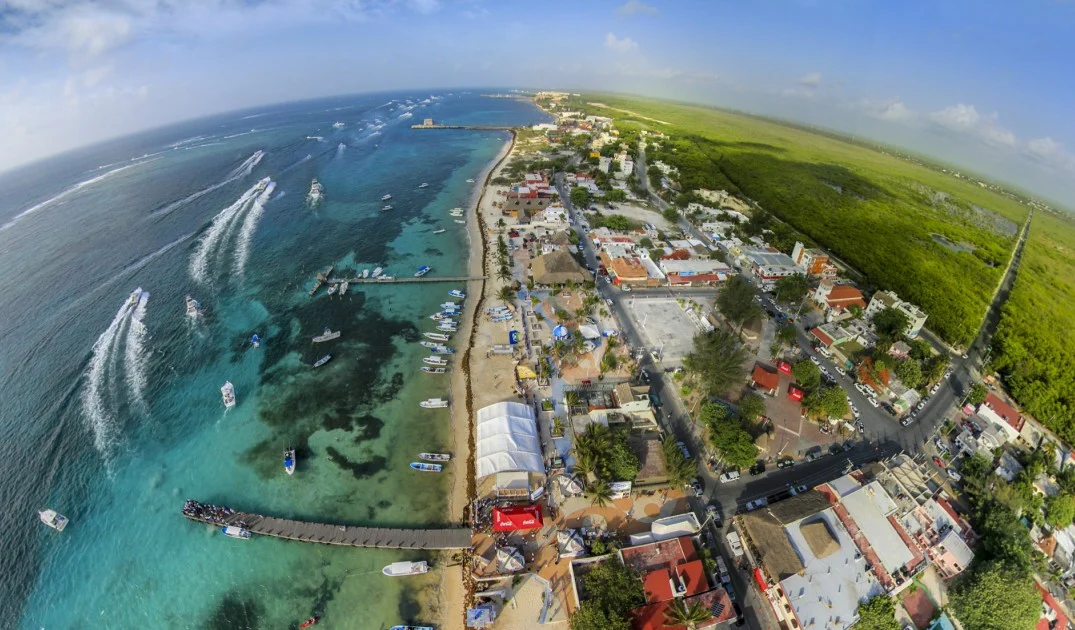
[236,174]
[216,231]
[134,357]
[340,149]
[94,405]
[250,224]
[405,115]
[66,193]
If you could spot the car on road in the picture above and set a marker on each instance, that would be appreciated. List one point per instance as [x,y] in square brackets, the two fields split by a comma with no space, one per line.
[938,461]
[848,445]
[907,420]
[758,468]
[697,485]
[608,301]
[947,373]
[824,352]
[645,375]
[798,490]
[755,504]
[840,371]
[855,412]
[785,462]
[953,474]
[865,391]
[729,476]
[812,456]
[861,428]
[873,401]
[683,449]
[816,360]
[713,512]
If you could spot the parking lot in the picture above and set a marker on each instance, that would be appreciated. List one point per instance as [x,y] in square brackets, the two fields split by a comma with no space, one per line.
[664,327]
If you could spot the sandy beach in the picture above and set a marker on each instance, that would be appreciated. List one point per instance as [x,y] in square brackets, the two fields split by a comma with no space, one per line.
[470,388]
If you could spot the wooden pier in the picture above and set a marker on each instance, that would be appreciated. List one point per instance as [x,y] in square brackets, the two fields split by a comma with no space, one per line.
[379,537]
[321,279]
[472,127]
[395,280]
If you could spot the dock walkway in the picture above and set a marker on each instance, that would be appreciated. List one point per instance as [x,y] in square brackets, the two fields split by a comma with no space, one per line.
[473,127]
[380,537]
[395,280]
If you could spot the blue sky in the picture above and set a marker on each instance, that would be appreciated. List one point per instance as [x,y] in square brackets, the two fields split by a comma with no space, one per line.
[985,84]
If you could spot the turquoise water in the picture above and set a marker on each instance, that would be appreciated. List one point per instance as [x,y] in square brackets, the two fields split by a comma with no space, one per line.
[115,429]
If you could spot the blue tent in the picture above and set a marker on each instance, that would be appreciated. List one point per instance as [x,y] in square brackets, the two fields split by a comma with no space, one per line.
[560,332]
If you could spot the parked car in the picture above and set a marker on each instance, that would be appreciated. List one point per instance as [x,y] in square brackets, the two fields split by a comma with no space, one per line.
[608,301]
[758,468]
[812,456]
[785,462]
[713,512]
[841,371]
[938,461]
[953,474]
[907,420]
[873,401]
[815,360]
[855,412]
[755,504]
[697,486]
[683,449]
[729,476]
[798,490]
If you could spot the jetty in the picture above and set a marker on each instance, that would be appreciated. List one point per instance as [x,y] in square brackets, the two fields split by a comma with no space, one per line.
[321,279]
[429,124]
[328,534]
[404,279]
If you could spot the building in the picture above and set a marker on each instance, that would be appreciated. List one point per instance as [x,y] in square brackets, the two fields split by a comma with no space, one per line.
[522,202]
[624,269]
[881,300]
[769,265]
[837,298]
[765,379]
[603,164]
[813,262]
[558,267]
[671,265]
[1003,415]
[509,450]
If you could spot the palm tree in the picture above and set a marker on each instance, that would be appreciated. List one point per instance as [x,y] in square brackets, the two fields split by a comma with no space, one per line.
[601,494]
[584,466]
[682,614]
[506,293]
[572,399]
[504,273]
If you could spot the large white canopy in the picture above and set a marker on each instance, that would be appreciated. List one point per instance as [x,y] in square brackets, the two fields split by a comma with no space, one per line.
[507,440]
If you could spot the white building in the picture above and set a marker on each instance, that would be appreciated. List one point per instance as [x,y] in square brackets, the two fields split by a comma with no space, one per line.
[544,127]
[694,265]
[604,164]
[881,300]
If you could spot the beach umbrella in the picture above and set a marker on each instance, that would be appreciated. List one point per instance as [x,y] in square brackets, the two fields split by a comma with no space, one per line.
[570,544]
[595,523]
[560,332]
[570,486]
[510,560]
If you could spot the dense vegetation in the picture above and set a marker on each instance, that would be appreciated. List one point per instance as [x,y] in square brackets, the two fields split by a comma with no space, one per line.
[717,361]
[1035,344]
[727,435]
[609,591]
[877,613]
[882,215]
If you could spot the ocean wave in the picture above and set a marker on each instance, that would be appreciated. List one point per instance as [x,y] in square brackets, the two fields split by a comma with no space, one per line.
[236,174]
[217,230]
[250,224]
[94,403]
[134,360]
[66,193]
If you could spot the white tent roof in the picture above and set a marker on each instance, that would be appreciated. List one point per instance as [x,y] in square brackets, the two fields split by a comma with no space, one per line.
[507,440]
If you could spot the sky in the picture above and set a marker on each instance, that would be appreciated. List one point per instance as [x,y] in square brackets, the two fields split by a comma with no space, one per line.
[984,84]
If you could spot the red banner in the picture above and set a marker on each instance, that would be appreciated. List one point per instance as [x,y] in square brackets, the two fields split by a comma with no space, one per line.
[784,367]
[760,579]
[509,519]
[795,393]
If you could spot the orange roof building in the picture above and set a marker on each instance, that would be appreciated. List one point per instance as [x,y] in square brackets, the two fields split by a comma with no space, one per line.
[629,270]
[764,379]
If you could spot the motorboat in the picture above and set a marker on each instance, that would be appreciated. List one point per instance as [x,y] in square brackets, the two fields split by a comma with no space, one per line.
[412,628]
[289,460]
[433,370]
[423,270]
[337,125]
[435,360]
[376,272]
[437,336]
[228,392]
[314,196]
[194,309]
[323,360]
[386,197]
[309,622]
[400,569]
[443,349]
[231,531]
[435,457]
[255,340]
[448,328]
[386,207]
[449,305]
[433,403]
[440,231]
[460,221]
[424,467]
[328,335]
[470,181]
[423,185]
[456,293]
[365,273]
[429,344]
[343,286]
[53,519]
[332,289]
[438,317]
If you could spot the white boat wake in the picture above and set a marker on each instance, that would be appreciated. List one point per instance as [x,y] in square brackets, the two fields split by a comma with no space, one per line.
[94,404]
[223,227]
[135,351]
[340,149]
[250,224]
[236,174]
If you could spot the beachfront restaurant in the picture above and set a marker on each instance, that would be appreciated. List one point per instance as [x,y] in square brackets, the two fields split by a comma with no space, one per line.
[509,458]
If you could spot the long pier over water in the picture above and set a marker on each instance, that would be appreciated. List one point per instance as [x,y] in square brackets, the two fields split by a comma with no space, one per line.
[380,537]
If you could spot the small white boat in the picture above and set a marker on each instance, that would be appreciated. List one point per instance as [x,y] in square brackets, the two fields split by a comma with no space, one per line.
[435,360]
[470,181]
[231,531]
[228,392]
[436,336]
[435,457]
[365,273]
[399,569]
[433,403]
[314,196]
[255,340]
[53,519]
[429,344]
[376,272]
[448,328]
[460,222]
[456,293]
[328,335]
[438,316]
[289,460]
[323,360]
[433,370]
[194,309]
[423,270]
[423,185]
[442,349]
[449,305]
[343,287]
[386,208]
[332,289]
[440,231]
[424,467]
[386,197]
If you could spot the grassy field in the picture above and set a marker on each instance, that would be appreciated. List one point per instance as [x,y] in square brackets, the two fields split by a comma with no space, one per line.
[1035,342]
[889,218]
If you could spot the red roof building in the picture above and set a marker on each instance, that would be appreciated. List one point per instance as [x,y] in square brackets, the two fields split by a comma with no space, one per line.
[843,296]
[654,616]
[678,279]
[677,254]
[764,379]
[1002,412]
[822,337]
[1052,616]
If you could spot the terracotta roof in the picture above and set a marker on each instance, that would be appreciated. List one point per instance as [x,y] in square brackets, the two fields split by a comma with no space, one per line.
[678,254]
[1048,546]
[657,586]
[822,337]
[657,555]
[1049,601]
[629,269]
[843,293]
[653,617]
[676,278]
[1004,410]
[764,378]
[692,575]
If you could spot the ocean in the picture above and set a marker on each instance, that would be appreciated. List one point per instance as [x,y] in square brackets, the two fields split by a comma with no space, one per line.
[110,401]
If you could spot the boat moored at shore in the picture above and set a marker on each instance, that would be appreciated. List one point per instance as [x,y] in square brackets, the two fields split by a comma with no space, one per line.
[435,361]
[433,403]
[456,293]
[399,569]
[231,531]
[433,370]
[424,467]
[437,336]
[435,457]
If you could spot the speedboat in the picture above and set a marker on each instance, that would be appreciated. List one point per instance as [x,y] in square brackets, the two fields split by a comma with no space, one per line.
[423,270]
[423,185]
[314,196]
[435,360]
[332,289]
[323,360]
[437,336]
[289,460]
[429,344]
[435,457]
[399,569]
[255,340]
[328,335]
[377,271]
[228,392]
[440,231]
[424,467]
[460,221]
[386,208]
[309,622]
[432,370]
[194,309]
[231,531]
[386,197]
[343,287]
[433,403]
[470,181]
[412,628]
[448,327]
[449,305]
[53,519]
[456,293]
[443,349]
[365,273]
[337,125]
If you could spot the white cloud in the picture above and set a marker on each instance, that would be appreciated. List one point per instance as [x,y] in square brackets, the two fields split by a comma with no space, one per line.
[620,45]
[1051,153]
[811,81]
[633,7]
[892,110]
[966,119]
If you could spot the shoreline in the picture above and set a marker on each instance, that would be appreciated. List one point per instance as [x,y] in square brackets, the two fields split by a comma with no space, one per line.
[457,594]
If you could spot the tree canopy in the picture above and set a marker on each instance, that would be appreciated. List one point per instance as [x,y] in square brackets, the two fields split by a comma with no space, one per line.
[717,360]
[977,394]
[878,613]
[616,194]
[996,596]
[609,591]
[807,375]
[736,301]
[909,372]
[791,289]
[751,407]
[891,323]
[580,197]
[1060,510]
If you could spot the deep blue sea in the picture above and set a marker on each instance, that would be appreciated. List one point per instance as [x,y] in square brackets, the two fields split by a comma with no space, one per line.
[110,403]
